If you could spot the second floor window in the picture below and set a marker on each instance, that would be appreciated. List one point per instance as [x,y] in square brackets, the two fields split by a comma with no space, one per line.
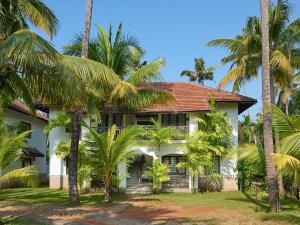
[178,119]
[25,126]
[144,119]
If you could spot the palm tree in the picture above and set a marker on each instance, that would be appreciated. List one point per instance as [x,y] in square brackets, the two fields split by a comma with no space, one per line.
[120,53]
[247,130]
[246,51]
[288,158]
[15,15]
[76,128]
[109,151]
[201,73]
[10,152]
[274,202]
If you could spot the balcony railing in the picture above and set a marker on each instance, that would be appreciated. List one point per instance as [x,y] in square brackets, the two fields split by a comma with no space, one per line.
[183,131]
[176,182]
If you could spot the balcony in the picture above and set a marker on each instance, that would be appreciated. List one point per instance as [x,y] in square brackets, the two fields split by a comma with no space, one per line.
[183,131]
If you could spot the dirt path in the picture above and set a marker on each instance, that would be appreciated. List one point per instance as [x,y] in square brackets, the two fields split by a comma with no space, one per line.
[136,211]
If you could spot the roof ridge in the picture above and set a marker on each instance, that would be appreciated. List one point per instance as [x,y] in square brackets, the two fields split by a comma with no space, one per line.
[203,86]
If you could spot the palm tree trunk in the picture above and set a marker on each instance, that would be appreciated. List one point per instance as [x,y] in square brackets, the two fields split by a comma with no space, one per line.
[76,128]
[87,29]
[73,188]
[273,192]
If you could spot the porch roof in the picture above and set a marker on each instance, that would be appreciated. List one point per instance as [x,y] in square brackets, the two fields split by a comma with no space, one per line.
[190,97]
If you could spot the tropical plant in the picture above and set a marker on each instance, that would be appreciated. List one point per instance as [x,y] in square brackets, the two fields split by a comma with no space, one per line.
[76,128]
[201,73]
[288,158]
[24,54]
[159,135]
[246,50]
[294,102]
[214,137]
[159,172]
[120,53]
[84,165]
[272,179]
[247,132]
[10,152]
[15,15]
[108,151]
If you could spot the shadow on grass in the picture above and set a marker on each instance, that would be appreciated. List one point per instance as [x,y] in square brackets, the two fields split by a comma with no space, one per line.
[287,218]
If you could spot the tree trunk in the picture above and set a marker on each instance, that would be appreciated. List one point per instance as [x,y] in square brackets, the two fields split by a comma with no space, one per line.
[107,191]
[273,192]
[73,188]
[87,29]
[76,128]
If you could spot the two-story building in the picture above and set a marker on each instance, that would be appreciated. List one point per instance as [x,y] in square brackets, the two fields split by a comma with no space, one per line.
[35,151]
[190,101]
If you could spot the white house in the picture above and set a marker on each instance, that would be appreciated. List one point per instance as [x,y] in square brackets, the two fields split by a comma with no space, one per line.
[35,151]
[190,101]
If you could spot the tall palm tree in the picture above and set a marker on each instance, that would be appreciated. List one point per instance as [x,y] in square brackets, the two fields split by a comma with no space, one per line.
[76,127]
[201,73]
[273,191]
[247,130]
[109,151]
[245,50]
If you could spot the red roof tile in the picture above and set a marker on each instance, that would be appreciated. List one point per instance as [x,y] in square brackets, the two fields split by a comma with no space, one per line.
[21,107]
[191,97]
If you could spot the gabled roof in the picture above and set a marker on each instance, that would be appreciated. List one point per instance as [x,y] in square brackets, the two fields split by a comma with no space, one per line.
[191,97]
[21,107]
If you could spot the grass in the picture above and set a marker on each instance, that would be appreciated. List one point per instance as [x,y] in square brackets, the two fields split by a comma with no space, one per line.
[45,196]
[16,221]
[237,207]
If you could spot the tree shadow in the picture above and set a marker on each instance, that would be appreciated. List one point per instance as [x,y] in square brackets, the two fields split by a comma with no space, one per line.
[287,218]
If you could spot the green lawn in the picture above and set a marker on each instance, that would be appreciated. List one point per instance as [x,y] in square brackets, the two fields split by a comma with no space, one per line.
[237,205]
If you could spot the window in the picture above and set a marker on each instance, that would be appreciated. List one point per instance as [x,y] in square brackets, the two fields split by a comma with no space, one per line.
[25,126]
[216,166]
[178,119]
[27,162]
[118,120]
[142,119]
[172,161]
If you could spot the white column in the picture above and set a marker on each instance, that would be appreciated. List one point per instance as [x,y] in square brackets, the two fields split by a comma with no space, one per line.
[193,124]
[122,173]
[57,169]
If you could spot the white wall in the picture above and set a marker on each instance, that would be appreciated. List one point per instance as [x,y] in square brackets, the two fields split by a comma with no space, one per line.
[57,165]
[37,140]
[231,109]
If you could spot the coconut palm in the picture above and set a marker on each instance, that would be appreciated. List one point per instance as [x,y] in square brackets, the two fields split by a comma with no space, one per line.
[76,128]
[17,14]
[246,51]
[10,152]
[109,151]
[247,130]
[272,180]
[120,53]
[201,73]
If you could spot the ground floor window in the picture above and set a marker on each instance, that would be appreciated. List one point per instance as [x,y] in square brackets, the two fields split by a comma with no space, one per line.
[27,162]
[216,166]
[172,161]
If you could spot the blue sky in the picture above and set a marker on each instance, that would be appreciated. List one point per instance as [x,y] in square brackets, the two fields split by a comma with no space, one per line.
[175,29]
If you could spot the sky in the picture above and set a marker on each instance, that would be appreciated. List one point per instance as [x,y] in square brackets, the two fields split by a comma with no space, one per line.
[175,29]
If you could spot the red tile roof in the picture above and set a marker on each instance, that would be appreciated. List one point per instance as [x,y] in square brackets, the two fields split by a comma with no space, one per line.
[21,107]
[191,97]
